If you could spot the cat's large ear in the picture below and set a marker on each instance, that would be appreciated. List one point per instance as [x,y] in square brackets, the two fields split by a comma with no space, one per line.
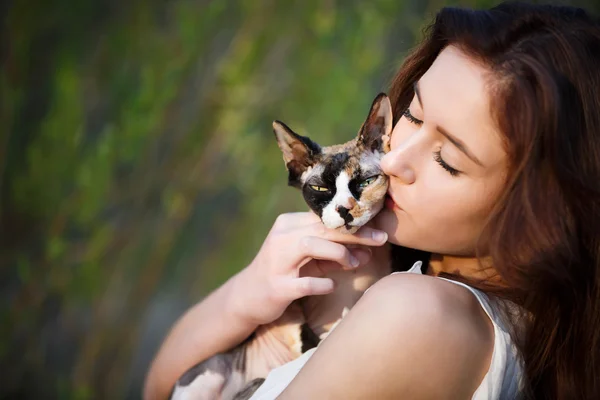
[299,152]
[376,131]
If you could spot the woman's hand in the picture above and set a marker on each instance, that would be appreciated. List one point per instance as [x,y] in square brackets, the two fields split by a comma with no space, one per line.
[292,262]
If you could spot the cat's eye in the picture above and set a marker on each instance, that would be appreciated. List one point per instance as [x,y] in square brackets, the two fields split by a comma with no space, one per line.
[367,182]
[318,188]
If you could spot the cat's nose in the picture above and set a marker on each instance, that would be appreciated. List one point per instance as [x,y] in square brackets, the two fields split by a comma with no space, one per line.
[349,203]
[345,214]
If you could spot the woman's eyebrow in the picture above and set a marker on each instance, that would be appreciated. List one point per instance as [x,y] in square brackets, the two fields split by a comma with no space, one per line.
[453,139]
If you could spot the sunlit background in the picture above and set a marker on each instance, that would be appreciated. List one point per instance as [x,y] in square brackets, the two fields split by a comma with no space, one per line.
[138,169]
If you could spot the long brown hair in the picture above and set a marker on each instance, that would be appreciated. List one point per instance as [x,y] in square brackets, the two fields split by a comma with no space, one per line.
[544,236]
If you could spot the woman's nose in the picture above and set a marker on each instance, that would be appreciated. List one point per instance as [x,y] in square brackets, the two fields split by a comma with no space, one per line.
[396,164]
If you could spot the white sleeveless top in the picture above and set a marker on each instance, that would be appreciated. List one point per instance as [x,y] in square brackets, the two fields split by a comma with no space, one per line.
[502,381]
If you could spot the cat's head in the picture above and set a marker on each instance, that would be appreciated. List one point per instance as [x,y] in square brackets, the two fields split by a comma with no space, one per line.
[343,184]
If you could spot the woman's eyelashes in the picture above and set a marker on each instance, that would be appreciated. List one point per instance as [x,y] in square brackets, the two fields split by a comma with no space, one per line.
[437,155]
[411,118]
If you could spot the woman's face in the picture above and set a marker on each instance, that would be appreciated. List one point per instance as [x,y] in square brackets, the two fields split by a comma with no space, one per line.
[447,165]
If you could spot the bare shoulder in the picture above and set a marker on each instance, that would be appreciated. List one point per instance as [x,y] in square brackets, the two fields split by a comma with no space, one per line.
[433,300]
[410,336]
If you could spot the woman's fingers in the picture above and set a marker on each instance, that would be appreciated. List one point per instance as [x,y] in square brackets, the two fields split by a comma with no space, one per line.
[362,253]
[320,268]
[307,286]
[308,223]
[322,249]
[365,235]
[292,220]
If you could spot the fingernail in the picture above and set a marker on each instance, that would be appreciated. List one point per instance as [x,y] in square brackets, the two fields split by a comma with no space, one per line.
[354,261]
[363,255]
[323,285]
[379,236]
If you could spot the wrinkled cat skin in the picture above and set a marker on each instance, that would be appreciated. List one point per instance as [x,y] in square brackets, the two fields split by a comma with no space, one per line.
[344,185]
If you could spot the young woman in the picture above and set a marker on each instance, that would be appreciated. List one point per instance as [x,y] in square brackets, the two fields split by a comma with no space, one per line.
[495,173]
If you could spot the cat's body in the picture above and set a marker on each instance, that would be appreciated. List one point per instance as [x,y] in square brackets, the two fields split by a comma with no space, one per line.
[344,185]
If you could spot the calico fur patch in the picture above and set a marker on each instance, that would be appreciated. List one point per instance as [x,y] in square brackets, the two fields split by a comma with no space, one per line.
[343,184]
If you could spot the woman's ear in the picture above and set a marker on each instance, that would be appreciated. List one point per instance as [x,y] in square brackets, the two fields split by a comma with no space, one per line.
[376,130]
[299,152]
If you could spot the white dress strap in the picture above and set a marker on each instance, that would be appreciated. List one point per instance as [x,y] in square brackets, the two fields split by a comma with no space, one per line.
[503,378]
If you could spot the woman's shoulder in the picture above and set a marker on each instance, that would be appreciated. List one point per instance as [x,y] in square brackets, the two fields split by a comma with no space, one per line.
[406,332]
[429,296]
[438,312]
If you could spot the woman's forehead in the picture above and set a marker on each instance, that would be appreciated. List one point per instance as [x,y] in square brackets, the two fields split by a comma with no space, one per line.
[455,96]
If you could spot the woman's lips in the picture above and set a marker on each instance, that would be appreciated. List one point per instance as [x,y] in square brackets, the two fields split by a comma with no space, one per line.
[389,203]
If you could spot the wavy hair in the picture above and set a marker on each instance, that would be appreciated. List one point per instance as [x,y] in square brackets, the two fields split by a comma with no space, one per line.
[544,235]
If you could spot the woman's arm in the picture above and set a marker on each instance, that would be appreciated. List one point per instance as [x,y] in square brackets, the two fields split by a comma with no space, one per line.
[212,326]
[409,337]
[259,294]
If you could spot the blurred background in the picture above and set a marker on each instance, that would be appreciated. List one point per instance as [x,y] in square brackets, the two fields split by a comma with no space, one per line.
[138,168]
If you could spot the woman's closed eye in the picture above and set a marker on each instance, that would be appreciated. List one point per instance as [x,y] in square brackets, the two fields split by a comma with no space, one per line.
[437,155]
[411,118]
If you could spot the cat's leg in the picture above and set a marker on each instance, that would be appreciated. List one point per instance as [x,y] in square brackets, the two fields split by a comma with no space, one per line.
[249,389]
[239,371]
[209,379]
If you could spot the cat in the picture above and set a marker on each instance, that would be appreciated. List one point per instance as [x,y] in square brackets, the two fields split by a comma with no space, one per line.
[344,185]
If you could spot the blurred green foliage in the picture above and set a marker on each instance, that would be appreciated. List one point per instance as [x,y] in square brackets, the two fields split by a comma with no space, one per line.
[138,170]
